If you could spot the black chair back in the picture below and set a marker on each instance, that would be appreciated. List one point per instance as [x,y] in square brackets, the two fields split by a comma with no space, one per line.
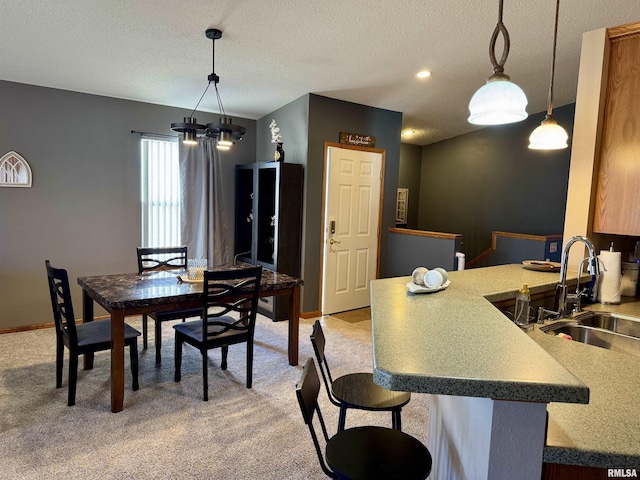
[230,291]
[307,390]
[318,342]
[161,258]
[61,304]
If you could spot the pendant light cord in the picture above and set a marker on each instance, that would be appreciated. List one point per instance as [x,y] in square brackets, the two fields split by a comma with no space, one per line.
[553,62]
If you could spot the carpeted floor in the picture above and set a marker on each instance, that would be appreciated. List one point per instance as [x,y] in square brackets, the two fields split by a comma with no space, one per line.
[166,430]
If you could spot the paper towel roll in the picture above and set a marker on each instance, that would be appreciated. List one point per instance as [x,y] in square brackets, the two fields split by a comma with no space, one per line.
[609,281]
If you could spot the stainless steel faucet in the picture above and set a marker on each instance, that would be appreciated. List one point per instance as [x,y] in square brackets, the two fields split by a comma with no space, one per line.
[565,298]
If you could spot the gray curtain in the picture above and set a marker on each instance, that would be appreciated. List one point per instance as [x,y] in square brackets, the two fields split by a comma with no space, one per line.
[204,223]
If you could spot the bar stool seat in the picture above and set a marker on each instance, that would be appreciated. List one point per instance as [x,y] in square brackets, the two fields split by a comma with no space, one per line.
[356,390]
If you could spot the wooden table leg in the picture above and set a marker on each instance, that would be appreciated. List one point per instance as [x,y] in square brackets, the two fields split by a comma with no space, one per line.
[117,360]
[294,324]
[87,316]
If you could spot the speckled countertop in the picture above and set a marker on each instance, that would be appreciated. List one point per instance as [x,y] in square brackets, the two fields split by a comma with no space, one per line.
[455,342]
[606,432]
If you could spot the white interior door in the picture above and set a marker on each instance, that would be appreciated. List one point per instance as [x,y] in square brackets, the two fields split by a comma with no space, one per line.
[352,212]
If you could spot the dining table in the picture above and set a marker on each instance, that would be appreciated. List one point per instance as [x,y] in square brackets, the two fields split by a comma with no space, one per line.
[128,294]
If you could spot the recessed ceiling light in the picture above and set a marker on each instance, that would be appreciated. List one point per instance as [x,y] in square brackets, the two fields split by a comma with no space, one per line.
[423,74]
[408,132]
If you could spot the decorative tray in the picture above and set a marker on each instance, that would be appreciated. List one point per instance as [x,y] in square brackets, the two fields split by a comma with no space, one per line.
[541,265]
[415,288]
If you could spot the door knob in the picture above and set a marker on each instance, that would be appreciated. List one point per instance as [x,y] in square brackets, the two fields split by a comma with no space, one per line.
[332,241]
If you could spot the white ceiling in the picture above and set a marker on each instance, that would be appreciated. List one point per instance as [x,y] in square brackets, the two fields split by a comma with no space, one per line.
[274,51]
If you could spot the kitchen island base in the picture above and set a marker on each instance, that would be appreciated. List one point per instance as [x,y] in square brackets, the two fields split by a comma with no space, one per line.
[481,438]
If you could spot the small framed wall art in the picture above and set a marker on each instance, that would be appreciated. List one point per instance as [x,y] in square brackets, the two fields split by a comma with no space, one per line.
[14,171]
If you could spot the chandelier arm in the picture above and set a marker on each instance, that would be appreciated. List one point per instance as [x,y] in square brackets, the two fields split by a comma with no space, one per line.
[498,67]
[198,104]
[220,107]
[553,62]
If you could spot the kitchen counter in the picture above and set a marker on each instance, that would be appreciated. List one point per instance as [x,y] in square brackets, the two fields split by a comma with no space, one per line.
[456,343]
[606,432]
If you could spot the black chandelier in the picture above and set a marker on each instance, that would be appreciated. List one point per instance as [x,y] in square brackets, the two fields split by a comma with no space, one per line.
[225,132]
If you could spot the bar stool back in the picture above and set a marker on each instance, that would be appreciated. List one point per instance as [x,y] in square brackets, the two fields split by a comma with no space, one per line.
[363,452]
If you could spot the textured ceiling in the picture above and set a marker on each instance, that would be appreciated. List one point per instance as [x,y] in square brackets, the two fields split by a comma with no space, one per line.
[274,51]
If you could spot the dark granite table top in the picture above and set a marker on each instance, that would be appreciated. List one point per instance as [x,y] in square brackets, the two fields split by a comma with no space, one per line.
[134,290]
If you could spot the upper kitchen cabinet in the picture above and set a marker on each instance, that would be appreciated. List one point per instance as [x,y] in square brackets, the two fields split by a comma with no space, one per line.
[604,171]
[617,199]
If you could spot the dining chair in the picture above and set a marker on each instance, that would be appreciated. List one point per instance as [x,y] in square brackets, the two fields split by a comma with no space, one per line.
[162,258]
[367,452]
[356,390]
[89,337]
[228,316]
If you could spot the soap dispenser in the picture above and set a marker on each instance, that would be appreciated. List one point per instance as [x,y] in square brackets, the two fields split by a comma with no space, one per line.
[521,312]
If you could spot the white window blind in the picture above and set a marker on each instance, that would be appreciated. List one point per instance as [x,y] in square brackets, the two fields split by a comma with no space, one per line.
[160,193]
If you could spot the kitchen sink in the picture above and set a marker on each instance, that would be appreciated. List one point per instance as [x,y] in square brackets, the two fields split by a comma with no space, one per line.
[613,322]
[614,332]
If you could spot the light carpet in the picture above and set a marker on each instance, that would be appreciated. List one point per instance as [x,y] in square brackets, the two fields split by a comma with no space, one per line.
[166,430]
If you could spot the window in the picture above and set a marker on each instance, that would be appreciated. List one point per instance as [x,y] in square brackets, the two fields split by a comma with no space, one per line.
[160,193]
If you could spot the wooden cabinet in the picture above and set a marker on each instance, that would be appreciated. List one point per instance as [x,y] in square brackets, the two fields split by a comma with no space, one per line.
[268,224]
[618,185]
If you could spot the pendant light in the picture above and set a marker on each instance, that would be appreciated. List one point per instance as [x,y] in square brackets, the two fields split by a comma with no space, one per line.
[549,135]
[499,101]
[225,132]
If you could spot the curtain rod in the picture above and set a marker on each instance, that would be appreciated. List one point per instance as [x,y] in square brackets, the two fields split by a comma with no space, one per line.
[159,135]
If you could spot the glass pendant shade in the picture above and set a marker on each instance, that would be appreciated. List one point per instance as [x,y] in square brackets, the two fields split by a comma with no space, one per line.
[498,102]
[548,136]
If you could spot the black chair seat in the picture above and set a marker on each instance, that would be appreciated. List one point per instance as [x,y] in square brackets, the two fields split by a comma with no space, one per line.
[357,390]
[193,330]
[377,452]
[99,332]
[176,314]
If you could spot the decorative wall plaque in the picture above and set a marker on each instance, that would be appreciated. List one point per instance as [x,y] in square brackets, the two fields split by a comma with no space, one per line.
[14,171]
[402,201]
[357,139]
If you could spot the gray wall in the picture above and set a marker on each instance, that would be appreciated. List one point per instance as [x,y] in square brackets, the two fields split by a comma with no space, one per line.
[489,180]
[516,250]
[406,252]
[306,124]
[327,118]
[83,211]
[409,177]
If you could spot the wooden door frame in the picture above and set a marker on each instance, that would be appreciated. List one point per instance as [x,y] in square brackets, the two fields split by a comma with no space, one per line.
[323,238]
